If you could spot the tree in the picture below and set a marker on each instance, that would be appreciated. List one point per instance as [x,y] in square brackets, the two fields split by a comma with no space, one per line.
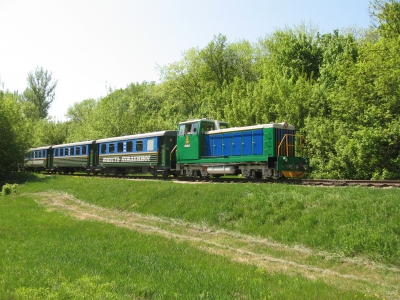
[386,17]
[39,94]
[13,132]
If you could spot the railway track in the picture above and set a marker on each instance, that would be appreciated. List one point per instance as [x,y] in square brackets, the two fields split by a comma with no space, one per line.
[308,182]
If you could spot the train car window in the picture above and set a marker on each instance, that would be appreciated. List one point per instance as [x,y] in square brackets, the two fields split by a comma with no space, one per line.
[129,146]
[103,148]
[150,145]
[120,147]
[69,151]
[139,145]
[182,129]
[84,150]
[111,148]
[78,151]
[223,125]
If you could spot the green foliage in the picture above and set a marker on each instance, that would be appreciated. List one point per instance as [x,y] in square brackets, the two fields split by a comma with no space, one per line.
[13,132]
[386,14]
[39,95]
[8,188]
[49,132]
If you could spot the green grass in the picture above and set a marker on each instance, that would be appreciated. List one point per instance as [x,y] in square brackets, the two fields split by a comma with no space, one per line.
[47,255]
[349,221]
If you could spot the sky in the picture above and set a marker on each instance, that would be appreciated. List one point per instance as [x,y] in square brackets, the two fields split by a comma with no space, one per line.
[90,46]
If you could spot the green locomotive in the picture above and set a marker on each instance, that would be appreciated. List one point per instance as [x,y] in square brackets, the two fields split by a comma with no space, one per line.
[210,148]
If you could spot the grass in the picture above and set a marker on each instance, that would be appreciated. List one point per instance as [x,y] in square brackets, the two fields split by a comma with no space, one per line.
[48,255]
[350,221]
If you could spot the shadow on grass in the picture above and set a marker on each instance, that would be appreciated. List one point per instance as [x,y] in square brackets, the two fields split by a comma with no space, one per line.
[21,177]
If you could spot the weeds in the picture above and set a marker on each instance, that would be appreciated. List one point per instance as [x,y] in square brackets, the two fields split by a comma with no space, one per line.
[8,188]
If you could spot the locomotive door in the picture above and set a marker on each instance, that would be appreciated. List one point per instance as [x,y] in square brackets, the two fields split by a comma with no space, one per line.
[167,144]
[188,141]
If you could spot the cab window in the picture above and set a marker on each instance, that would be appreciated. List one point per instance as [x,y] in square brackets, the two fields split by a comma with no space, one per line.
[223,125]
[207,126]
[195,128]
[182,129]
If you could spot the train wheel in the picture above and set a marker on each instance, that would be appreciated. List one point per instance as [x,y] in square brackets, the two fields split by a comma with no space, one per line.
[165,173]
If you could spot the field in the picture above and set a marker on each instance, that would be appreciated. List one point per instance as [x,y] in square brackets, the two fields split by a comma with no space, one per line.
[64,237]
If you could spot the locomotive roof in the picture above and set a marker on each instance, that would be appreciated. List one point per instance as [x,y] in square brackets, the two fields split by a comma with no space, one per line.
[282,125]
[204,119]
[139,136]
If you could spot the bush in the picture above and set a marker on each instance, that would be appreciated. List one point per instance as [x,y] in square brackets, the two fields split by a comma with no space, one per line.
[9,188]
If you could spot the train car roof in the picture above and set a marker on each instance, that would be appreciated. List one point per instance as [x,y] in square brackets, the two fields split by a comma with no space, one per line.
[282,125]
[40,148]
[139,136]
[74,144]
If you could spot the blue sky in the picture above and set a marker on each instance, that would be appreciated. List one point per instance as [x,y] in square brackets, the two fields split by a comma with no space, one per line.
[91,45]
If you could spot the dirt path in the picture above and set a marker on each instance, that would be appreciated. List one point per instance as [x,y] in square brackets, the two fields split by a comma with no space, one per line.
[344,273]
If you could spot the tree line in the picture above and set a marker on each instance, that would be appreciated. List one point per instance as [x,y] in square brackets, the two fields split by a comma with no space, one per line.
[340,89]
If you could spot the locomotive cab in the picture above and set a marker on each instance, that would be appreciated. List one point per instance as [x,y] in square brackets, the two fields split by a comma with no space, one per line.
[191,140]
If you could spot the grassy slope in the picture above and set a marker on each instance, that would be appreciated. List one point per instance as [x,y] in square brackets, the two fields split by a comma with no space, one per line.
[54,255]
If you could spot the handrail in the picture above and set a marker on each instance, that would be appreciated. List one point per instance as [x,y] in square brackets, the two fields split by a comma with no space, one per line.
[172,151]
[288,145]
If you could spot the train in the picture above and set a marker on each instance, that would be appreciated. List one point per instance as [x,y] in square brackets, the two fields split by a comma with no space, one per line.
[198,148]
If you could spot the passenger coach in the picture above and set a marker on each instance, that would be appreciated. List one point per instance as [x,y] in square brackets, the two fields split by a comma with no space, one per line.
[73,157]
[38,159]
[140,153]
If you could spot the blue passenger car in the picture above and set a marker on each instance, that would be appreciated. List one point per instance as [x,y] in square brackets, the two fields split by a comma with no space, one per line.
[73,157]
[38,159]
[139,153]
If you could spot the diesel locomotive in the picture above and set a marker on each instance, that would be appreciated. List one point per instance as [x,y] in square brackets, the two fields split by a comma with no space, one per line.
[199,148]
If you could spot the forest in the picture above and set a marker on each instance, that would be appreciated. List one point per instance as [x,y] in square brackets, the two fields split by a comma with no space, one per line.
[340,89]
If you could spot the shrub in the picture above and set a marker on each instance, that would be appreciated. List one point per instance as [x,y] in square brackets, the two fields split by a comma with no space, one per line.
[9,188]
